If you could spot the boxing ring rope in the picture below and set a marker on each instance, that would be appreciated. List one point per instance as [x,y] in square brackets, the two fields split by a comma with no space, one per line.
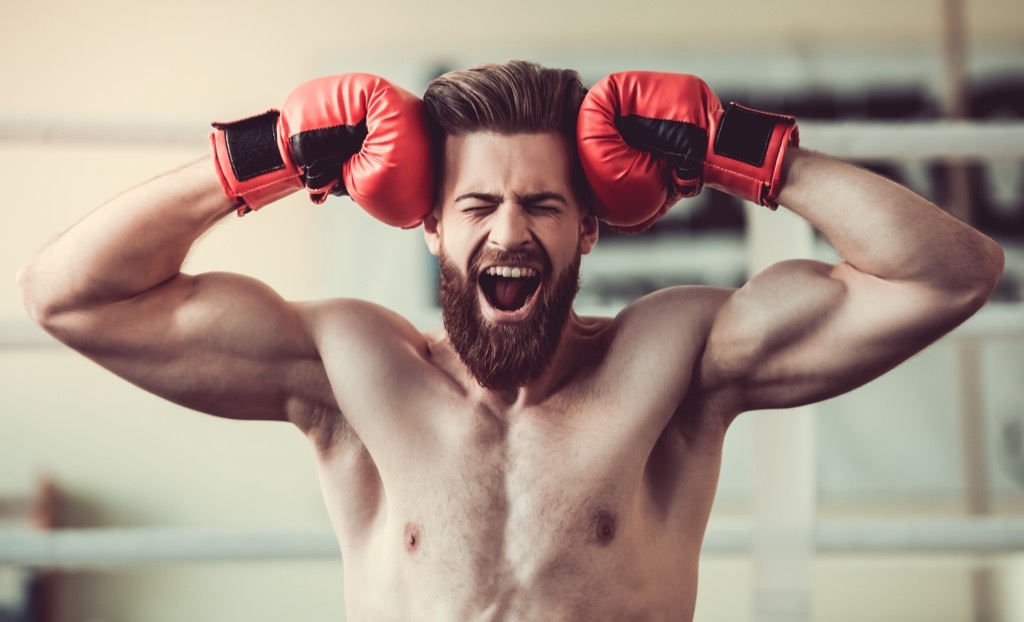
[852,140]
[103,547]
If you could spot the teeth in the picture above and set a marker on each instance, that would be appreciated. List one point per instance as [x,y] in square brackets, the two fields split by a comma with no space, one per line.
[511,273]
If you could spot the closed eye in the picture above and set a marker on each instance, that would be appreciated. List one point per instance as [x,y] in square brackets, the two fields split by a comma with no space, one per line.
[544,209]
[547,202]
[478,209]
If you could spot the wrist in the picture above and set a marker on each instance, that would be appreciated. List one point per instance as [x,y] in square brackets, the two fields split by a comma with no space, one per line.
[802,172]
[203,198]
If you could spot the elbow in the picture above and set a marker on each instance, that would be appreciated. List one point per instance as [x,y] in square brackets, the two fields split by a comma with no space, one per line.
[993,264]
[41,308]
[984,275]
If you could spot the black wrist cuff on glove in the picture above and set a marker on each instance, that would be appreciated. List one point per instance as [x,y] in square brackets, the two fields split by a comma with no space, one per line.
[744,134]
[252,145]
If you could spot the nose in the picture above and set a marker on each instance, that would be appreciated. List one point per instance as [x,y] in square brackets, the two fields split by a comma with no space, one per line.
[509,229]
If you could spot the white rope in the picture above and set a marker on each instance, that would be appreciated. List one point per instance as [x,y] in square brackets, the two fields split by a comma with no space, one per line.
[84,548]
[76,548]
[64,130]
[855,140]
[994,321]
[988,535]
[915,140]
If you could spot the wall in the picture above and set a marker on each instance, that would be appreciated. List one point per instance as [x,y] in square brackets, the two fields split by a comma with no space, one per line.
[125,458]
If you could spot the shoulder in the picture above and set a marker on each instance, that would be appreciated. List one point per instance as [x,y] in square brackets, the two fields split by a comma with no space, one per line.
[350,323]
[659,338]
[676,328]
[688,310]
[366,351]
[362,344]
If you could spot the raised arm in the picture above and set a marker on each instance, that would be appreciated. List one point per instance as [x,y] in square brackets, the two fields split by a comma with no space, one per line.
[112,287]
[802,331]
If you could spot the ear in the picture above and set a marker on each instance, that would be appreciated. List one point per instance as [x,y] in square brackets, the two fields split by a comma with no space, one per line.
[588,232]
[432,231]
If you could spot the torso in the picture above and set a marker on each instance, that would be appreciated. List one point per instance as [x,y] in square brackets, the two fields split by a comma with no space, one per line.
[588,504]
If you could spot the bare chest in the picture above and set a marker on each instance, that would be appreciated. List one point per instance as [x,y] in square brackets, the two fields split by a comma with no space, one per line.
[504,513]
[525,497]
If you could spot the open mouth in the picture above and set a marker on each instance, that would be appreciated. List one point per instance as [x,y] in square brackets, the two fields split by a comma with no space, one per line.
[510,289]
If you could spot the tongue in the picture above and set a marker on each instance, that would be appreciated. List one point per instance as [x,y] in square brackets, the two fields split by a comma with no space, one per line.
[510,294]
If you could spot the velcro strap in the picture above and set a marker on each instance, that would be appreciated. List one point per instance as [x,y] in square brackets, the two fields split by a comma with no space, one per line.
[252,145]
[681,144]
[320,154]
[744,134]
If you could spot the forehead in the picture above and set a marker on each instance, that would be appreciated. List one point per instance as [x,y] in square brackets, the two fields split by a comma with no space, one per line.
[487,162]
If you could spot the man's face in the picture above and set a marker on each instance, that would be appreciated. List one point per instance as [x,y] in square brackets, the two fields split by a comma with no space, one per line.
[509,235]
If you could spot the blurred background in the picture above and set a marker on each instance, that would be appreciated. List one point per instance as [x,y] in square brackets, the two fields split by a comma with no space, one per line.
[99,96]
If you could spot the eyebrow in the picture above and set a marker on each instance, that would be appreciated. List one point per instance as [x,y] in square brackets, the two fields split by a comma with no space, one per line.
[480,196]
[530,198]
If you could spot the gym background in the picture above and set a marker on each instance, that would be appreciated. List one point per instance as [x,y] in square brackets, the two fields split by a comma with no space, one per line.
[99,96]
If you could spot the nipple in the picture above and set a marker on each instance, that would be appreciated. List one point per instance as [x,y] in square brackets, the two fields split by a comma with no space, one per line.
[411,538]
[604,527]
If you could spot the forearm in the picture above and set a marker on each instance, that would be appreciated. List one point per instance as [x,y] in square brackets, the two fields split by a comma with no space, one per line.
[885,230]
[129,245]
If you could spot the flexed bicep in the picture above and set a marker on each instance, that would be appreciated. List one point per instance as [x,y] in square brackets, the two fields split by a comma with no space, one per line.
[803,331]
[219,343]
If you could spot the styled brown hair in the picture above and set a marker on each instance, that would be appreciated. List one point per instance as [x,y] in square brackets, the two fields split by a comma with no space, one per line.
[518,97]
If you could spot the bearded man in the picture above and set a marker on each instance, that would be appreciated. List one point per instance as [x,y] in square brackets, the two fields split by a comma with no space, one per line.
[523,462]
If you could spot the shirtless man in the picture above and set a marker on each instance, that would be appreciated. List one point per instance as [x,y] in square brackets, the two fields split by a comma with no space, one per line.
[525,463]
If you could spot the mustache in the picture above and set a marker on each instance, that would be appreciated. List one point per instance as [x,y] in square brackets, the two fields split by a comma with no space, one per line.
[492,256]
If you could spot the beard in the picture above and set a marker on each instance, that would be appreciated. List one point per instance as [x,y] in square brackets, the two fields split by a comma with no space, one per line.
[506,355]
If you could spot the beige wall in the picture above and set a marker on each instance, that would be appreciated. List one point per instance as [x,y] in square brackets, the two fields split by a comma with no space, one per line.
[125,458]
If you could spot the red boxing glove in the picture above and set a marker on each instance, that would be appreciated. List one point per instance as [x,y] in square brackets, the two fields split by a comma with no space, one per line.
[647,139]
[353,134]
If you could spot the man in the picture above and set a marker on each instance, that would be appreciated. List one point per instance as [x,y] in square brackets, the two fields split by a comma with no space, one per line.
[524,463]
